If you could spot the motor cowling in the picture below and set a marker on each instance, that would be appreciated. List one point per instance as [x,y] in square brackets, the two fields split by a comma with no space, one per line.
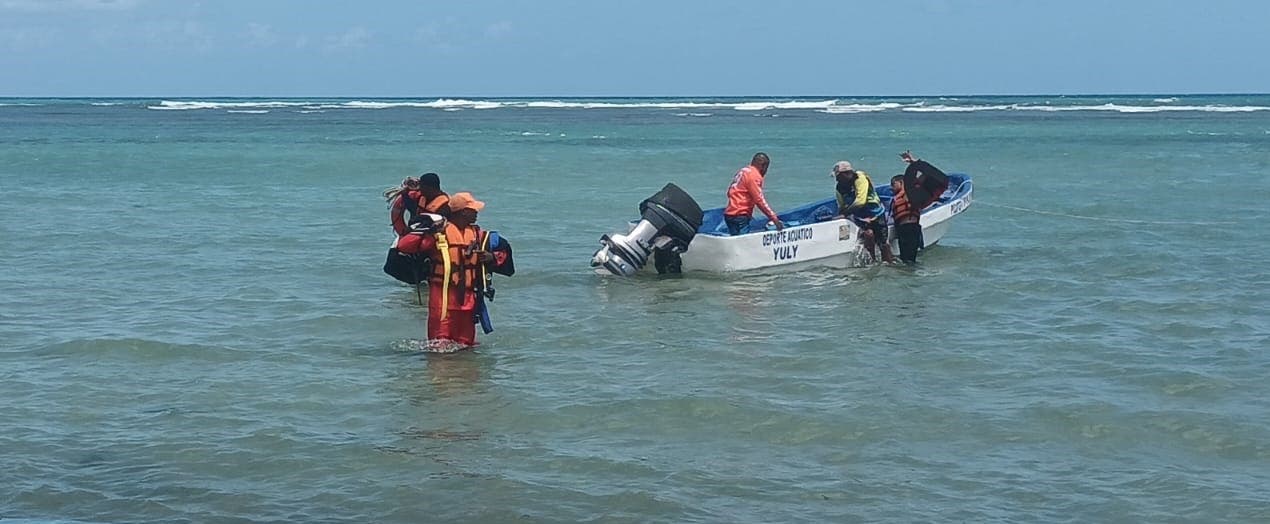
[668,222]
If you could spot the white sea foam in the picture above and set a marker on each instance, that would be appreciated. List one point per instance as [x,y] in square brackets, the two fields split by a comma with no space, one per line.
[1145,109]
[859,108]
[168,105]
[557,104]
[464,104]
[248,111]
[103,104]
[954,109]
[690,108]
[759,106]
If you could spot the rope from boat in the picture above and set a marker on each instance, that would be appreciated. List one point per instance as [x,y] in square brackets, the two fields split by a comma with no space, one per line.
[1105,219]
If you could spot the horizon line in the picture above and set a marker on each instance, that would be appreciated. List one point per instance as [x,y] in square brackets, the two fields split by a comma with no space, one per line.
[469,97]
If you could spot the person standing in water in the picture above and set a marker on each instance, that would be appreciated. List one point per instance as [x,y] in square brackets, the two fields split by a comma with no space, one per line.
[920,186]
[456,279]
[745,193]
[859,202]
[432,199]
[403,200]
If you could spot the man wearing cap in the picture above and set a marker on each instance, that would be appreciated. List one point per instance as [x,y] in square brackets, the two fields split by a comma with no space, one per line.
[859,202]
[746,192]
[432,199]
[456,272]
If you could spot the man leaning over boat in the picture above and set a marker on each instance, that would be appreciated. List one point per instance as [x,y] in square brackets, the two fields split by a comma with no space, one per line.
[746,192]
[859,202]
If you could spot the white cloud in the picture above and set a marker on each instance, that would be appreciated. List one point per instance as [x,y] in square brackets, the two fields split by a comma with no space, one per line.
[498,29]
[22,38]
[355,38]
[169,35]
[430,37]
[261,35]
[68,5]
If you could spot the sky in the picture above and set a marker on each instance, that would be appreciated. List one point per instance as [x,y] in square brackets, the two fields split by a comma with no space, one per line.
[544,48]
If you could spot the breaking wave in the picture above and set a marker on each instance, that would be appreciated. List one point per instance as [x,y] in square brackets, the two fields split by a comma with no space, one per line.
[707,107]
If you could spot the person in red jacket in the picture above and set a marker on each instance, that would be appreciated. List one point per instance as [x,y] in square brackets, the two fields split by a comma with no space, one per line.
[403,199]
[745,193]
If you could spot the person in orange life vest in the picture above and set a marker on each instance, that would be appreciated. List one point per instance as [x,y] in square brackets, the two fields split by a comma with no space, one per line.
[456,262]
[402,200]
[746,192]
[908,227]
[432,199]
[920,186]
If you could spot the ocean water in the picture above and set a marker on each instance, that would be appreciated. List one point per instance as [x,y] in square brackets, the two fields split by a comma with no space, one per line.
[194,325]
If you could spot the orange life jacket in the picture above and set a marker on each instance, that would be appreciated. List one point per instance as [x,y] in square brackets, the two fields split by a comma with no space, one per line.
[464,265]
[901,208]
[439,204]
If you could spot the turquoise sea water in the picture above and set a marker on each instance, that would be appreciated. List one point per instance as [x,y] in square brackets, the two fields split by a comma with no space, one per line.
[194,326]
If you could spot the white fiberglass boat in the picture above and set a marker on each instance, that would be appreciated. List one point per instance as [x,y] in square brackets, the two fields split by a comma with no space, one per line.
[672,224]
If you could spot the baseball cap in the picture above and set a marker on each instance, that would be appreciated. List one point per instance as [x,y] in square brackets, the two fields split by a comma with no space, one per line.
[464,200]
[841,167]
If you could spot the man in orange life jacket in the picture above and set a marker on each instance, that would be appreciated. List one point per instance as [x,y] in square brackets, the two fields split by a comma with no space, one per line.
[401,200]
[920,186]
[456,270]
[746,192]
[432,199]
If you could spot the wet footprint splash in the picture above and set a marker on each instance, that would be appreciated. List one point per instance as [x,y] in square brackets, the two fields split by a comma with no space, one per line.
[442,346]
[427,346]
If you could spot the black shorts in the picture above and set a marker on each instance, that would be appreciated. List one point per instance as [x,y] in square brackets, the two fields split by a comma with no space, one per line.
[878,227]
[909,237]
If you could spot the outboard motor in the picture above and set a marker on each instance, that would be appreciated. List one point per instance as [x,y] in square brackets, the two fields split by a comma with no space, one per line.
[669,220]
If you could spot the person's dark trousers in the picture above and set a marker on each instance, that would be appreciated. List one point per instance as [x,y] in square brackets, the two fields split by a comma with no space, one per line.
[909,236]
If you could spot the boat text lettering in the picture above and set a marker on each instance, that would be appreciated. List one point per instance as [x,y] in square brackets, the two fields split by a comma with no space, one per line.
[786,236]
[785,252]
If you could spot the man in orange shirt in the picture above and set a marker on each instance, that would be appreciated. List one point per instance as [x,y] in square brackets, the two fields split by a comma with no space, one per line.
[746,192]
